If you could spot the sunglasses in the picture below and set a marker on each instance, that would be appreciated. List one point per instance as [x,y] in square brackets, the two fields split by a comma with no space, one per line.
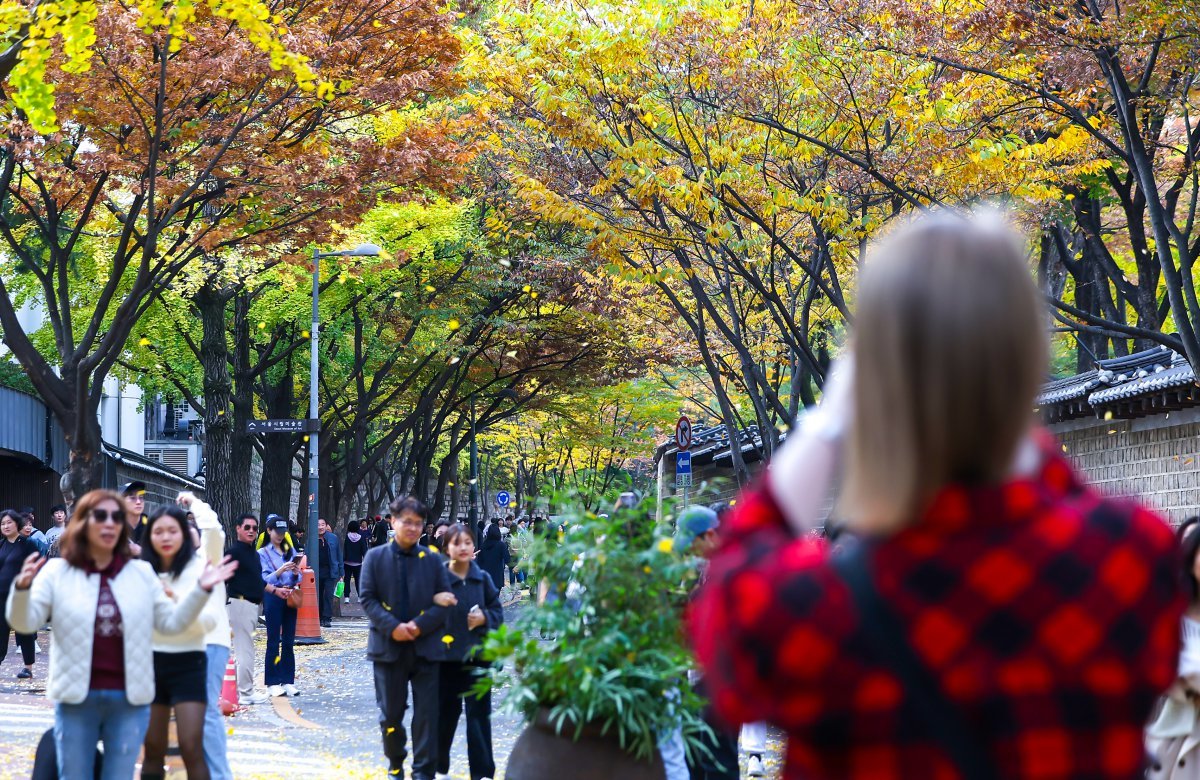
[102,516]
[249,527]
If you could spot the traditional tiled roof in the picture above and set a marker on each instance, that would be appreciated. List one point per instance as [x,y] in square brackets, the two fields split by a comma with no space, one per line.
[713,443]
[1140,375]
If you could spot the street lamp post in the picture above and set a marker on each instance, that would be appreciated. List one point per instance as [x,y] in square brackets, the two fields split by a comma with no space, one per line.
[312,547]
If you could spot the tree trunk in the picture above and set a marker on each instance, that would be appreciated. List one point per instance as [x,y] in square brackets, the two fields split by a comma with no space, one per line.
[85,472]
[241,445]
[218,397]
[278,452]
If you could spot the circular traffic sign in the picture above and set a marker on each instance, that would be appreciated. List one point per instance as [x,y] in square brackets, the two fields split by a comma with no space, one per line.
[502,498]
[683,433]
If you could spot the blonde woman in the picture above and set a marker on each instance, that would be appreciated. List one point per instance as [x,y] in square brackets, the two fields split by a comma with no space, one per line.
[999,618]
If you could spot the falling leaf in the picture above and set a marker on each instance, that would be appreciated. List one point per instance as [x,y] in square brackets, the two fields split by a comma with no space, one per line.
[447,640]
[454,324]
[305,334]
[230,732]
[278,658]
[430,288]
[647,569]
[526,288]
[262,326]
[665,545]
[1108,415]
[421,555]
[143,341]
[391,729]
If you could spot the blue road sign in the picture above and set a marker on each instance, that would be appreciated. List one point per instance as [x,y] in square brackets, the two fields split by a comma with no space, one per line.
[502,498]
[683,463]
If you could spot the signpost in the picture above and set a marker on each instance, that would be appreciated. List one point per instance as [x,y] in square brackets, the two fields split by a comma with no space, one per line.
[278,426]
[502,498]
[683,458]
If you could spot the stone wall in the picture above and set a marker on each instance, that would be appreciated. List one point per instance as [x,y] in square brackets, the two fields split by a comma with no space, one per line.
[1154,458]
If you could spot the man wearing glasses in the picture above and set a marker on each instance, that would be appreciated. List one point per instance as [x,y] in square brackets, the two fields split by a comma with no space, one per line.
[243,595]
[405,590]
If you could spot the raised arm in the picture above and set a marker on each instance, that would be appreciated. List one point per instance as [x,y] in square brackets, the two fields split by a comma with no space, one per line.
[28,608]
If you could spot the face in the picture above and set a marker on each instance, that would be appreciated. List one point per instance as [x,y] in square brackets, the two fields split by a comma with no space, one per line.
[166,537]
[322,526]
[8,527]
[104,526]
[59,516]
[408,528]
[428,529]
[277,535]
[27,529]
[248,531]
[461,548]
[137,503]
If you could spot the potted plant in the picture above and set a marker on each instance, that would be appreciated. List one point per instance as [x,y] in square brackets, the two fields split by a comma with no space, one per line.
[598,670]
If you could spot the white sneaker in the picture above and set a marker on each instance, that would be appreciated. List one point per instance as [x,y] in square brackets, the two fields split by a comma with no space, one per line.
[347,600]
[754,767]
[443,776]
[257,697]
[291,690]
[275,690]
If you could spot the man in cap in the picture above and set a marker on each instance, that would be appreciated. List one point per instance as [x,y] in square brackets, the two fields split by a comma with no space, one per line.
[135,496]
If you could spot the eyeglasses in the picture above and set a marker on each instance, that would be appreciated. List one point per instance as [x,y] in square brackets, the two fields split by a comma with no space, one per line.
[102,516]
[405,524]
[249,527]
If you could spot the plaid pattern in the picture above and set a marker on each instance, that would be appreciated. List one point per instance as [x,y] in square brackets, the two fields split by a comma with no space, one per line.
[1049,614]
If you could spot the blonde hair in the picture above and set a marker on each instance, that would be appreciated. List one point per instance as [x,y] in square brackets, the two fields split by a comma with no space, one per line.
[950,349]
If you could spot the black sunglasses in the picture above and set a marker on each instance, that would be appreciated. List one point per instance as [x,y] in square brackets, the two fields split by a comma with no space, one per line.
[250,527]
[102,516]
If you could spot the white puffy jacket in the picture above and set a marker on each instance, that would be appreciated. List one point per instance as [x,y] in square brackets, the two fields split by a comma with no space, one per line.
[66,596]
[212,547]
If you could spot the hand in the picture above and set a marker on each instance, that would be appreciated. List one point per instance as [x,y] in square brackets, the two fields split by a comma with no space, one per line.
[167,590]
[215,575]
[33,564]
[135,550]
[283,593]
[445,599]
[476,618]
[401,633]
[413,629]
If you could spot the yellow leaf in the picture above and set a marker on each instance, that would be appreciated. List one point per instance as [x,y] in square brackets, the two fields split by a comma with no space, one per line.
[447,640]
[665,545]
[453,324]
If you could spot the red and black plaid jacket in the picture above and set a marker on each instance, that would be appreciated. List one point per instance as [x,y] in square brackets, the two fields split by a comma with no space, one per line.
[1049,614]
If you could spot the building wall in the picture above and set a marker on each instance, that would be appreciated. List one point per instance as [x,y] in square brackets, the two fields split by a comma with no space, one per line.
[1155,458]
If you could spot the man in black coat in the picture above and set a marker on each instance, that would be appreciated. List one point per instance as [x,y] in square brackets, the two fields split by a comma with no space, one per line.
[399,584]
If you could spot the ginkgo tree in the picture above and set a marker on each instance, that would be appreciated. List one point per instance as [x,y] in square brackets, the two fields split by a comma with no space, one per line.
[179,164]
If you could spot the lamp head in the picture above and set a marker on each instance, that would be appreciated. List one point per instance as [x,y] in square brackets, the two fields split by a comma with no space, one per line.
[363,250]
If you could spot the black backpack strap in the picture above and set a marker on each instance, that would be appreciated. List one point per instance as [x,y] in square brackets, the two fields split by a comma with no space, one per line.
[945,723]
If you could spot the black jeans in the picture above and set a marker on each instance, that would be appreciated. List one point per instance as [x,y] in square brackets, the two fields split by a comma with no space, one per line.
[454,690]
[325,599]
[391,695]
[24,641]
[353,577]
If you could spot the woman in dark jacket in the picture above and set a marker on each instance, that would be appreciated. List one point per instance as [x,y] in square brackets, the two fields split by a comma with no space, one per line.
[354,550]
[478,611]
[493,554]
[14,549]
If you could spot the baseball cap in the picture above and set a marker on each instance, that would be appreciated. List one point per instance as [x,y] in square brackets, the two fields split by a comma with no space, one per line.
[693,522]
[277,523]
[136,487]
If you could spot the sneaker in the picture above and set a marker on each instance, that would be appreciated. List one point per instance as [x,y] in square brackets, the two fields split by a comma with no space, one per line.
[346,600]
[24,674]
[257,697]
[275,690]
[291,690]
[754,767]
[441,776]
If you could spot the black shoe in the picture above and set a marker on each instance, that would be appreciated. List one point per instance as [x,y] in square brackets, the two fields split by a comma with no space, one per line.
[24,674]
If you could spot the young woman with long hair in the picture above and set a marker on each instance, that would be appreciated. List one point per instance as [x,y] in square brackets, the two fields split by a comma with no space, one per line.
[999,617]
[476,611]
[281,573]
[14,549]
[180,659]
[1174,736]
[354,550]
[103,607]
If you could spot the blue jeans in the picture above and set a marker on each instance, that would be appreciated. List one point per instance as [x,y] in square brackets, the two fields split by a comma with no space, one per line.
[281,638]
[214,722]
[104,716]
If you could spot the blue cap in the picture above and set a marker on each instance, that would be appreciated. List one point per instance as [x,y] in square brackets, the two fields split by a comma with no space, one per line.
[693,522]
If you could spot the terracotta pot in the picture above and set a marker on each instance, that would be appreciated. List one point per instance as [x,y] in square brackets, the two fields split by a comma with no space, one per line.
[541,754]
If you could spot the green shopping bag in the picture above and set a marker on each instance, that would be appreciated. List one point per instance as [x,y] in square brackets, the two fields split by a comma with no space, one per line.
[339,589]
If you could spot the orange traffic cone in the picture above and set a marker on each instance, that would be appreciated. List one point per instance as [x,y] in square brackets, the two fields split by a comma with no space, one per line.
[229,692]
[308,623]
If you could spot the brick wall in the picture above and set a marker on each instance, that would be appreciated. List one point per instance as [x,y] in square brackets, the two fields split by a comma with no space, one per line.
[1154,458]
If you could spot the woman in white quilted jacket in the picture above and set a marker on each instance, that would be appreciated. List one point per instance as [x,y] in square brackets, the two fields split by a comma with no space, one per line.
[180,659]
[103,607]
